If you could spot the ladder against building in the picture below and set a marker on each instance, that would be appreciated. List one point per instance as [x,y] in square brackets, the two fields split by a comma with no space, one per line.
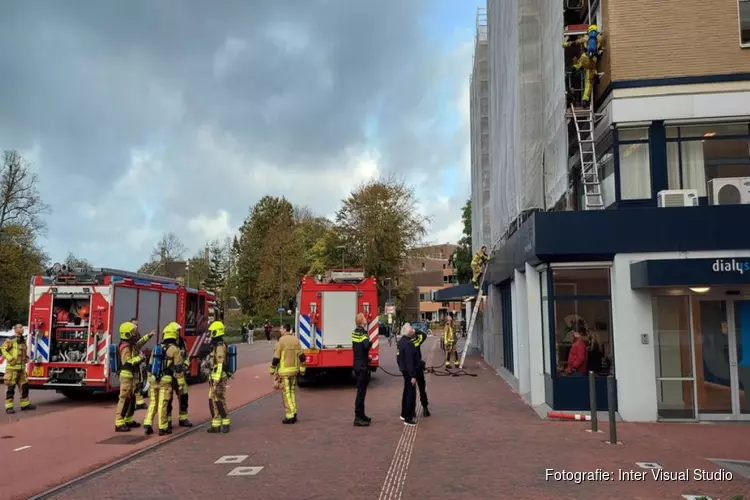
[473,318]
[584,120]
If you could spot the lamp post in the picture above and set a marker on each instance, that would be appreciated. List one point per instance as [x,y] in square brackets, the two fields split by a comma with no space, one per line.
[281,290]
[187,269]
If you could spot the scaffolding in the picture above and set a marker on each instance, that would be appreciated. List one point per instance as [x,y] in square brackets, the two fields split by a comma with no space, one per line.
[479,123]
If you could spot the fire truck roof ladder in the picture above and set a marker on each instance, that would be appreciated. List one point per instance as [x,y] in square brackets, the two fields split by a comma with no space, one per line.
[136,276]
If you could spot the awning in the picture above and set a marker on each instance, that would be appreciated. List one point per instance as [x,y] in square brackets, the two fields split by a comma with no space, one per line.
[690,272]
[454,293]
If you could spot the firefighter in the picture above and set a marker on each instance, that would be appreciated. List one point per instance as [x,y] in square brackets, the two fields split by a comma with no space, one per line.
[16,356]
[130,361]
[479,260]
[418,339]
[588,59]
[217,384]
[140,376]
[153,400]
[181,390]
[173,368]
[361,347]
[449,340]
[288,362]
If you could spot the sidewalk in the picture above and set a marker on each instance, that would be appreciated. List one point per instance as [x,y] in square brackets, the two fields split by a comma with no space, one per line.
[55,447]
[481,442]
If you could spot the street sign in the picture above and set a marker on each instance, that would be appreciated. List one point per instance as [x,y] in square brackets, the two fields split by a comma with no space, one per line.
[390,309]
[280,310]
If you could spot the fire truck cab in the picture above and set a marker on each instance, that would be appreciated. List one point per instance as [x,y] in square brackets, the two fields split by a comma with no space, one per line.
[325,312]
[75,315]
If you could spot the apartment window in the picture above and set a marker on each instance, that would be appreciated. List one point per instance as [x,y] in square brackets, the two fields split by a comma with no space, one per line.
[635,164]
[696,154]
[744,17]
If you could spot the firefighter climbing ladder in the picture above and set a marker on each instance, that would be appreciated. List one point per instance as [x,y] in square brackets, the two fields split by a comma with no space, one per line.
[585,122]
[473,319]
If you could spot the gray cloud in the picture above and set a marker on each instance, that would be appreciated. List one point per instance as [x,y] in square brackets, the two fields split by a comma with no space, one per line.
[146,115]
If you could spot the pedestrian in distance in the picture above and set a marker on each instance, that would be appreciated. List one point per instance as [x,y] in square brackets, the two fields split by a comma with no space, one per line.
[408,362]
[361,347]
[288,362]
[267,329]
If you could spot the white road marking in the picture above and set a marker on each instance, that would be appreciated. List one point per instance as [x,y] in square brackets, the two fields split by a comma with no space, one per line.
[244,471]
[696,497]
[23,448]
[648,465]
[231,459]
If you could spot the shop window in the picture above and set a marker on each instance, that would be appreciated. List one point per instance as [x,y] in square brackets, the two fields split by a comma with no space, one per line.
[707,130]
[635,172]
[692,163]
[744,20]
[568,282]
[590,320]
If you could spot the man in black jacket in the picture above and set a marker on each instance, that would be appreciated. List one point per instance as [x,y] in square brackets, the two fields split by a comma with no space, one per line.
[418,339]
[361,347]
[409,364]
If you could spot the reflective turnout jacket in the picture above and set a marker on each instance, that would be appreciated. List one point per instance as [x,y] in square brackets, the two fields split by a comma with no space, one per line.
[288,357]
[15,353]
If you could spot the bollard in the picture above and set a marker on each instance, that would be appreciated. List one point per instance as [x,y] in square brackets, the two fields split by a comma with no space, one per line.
[611,404]
[592,402]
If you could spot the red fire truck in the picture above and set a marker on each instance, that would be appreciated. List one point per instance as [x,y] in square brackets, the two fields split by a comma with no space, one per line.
[75,315]
[325,313]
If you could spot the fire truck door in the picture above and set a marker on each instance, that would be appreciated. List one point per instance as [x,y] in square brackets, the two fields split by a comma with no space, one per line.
[339,310]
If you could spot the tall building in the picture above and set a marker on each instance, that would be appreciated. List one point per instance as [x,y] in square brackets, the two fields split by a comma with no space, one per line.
[480,141]
[621,217]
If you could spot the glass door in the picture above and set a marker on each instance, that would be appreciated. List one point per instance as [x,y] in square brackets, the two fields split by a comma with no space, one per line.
[719,327]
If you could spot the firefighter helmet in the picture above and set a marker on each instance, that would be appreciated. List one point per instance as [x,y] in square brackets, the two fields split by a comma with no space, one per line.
[217,329]
[593,27]
[171,331]
[127,329]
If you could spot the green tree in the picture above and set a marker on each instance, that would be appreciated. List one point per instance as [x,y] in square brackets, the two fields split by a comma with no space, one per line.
[21,205]
[218,267]
[462,256]
[73,261]
[197,271]
[166,257]
[20,258]
[377,227]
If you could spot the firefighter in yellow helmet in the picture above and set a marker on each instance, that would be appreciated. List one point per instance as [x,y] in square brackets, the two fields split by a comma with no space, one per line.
[217,383]
[140,376]
[16,356]
[172,369]
[288,362]
[477,262]
[591,44]
[130,362]
[449,340]
[181,390]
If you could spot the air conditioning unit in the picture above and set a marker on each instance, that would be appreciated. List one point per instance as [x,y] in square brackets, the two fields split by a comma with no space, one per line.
[678,198]
[729,191]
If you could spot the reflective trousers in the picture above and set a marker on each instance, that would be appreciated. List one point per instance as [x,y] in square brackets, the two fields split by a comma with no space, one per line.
[451,352]
[165,398]
[16,379]
[217,403]
[126,403]
[476,270]
[289,395]
[153,400]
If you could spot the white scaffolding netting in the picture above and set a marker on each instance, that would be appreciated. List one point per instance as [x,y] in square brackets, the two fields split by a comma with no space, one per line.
[480,167]
[528,138]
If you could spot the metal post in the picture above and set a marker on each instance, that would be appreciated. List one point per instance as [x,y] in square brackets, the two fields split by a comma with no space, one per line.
[611,404]
[592,402]
[281,292]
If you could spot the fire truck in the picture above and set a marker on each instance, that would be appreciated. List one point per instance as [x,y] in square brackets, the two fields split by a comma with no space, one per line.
[75,315]
[326,307]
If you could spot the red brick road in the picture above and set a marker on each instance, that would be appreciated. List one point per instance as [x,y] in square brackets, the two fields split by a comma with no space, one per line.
[47,448]
[482,442]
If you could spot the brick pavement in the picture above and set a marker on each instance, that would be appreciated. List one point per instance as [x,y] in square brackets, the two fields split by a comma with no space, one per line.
[482,442]
[67,443]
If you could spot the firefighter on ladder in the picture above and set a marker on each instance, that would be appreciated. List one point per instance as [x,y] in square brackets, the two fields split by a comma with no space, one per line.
[16,356]
[130,363]
[173,368]
[449,340]
[217,384]
[288,362]
[477,263]
[588,59]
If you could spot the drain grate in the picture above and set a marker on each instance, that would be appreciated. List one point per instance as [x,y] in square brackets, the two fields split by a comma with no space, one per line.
[6,437]
[124,440]
[741,467]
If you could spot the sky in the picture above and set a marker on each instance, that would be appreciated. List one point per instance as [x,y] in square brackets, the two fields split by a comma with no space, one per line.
[146,116]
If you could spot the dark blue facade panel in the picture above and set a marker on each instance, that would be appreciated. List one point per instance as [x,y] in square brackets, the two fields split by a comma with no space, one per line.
[689,272]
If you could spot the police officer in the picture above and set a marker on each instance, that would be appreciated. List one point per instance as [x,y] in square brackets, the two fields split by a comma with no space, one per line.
[16,356]
[409,364]
[449,340]
[288,362]
[361,347]
[130,361]
[217,384]
[418,339]
[173,368]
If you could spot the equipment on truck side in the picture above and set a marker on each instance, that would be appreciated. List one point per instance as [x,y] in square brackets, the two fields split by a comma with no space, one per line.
[75,313]
[326,307]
